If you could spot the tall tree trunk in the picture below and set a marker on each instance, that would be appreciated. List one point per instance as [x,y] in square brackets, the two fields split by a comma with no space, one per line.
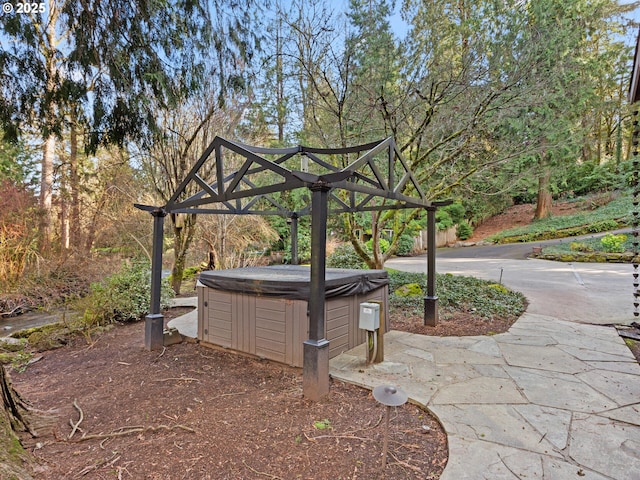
[46,189]
[64,209]
[49,147]
[545,199]
[74,186]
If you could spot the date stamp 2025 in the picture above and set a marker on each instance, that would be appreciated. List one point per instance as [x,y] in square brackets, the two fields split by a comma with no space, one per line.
[22,8]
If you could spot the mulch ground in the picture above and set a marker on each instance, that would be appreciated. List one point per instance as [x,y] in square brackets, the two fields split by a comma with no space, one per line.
[191,412]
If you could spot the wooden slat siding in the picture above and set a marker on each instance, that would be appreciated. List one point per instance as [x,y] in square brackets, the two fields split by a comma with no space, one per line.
[289,330]
[252,322]
[277,328]
[270,328]
[220,318]
[300,334]
[337,324]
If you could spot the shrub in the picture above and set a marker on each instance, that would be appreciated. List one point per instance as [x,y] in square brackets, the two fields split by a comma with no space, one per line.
[580,247]
[405,245]
[384,245]
[398,278]
[613,243]
[124,296]
[344,256]
[443,220]
[457,293]
[409,290]
[464,230]
[456,211]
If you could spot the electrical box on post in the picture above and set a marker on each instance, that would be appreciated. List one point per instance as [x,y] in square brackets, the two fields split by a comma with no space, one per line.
[369,318]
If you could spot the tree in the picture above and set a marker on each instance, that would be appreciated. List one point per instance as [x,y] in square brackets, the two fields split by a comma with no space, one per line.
[16,417]
[229,237]
[101,59]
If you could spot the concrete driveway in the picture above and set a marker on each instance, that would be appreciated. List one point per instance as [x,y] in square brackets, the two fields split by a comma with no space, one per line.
[594,293]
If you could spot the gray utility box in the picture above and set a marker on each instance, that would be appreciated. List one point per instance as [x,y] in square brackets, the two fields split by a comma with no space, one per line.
[369,318]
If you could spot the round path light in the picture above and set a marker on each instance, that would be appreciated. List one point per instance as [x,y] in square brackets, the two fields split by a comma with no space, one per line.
[389,396]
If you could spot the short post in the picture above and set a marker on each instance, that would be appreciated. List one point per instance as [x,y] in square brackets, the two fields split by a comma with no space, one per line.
[431,300]
[154,322]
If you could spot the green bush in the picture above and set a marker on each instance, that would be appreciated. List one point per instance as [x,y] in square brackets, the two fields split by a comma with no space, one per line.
[384,245]
[345,256]
[405,245]
[443,220]
[398,278]
[464,230]
[613,243]
[409,290]
[580,247]
[124,296]
[456,211]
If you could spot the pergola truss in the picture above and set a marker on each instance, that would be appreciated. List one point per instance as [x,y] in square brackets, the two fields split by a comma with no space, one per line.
[379,172]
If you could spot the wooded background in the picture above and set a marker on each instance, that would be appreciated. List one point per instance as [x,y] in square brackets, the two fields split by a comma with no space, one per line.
[109,103]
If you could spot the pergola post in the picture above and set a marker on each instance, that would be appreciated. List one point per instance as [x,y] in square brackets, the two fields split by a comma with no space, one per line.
[154,322]
[431,300]
[315,370]
[294,239]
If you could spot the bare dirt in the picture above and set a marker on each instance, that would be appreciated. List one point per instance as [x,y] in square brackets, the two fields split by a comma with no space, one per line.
[191,412]
[517,216]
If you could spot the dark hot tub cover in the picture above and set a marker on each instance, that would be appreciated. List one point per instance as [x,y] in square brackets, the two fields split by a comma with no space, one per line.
[293,281]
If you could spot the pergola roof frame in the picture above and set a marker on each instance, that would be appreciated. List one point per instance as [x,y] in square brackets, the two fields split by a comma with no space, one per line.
[223,189]
[365,180]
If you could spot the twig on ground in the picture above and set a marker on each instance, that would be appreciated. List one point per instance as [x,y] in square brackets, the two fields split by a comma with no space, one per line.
[351,437]
[122,432]
[228,395]
[260,473]
[76,425]
[187,379]
[405,464]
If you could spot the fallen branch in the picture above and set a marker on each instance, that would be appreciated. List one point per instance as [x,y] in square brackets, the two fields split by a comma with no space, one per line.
[14,310]
[121,432]
[76,425]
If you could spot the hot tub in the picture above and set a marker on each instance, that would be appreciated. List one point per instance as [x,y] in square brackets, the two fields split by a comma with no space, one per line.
[263,310]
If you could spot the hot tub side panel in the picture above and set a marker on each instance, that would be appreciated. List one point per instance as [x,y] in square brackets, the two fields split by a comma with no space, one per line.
[275,328]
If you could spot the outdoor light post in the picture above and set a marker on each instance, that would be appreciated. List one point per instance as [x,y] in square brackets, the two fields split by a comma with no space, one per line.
[154,322]
[315,370]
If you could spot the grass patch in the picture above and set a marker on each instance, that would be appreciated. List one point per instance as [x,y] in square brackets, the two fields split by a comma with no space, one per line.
[613,215]
[457,293]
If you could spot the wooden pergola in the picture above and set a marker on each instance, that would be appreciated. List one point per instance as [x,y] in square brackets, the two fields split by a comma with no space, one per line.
[243,180]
